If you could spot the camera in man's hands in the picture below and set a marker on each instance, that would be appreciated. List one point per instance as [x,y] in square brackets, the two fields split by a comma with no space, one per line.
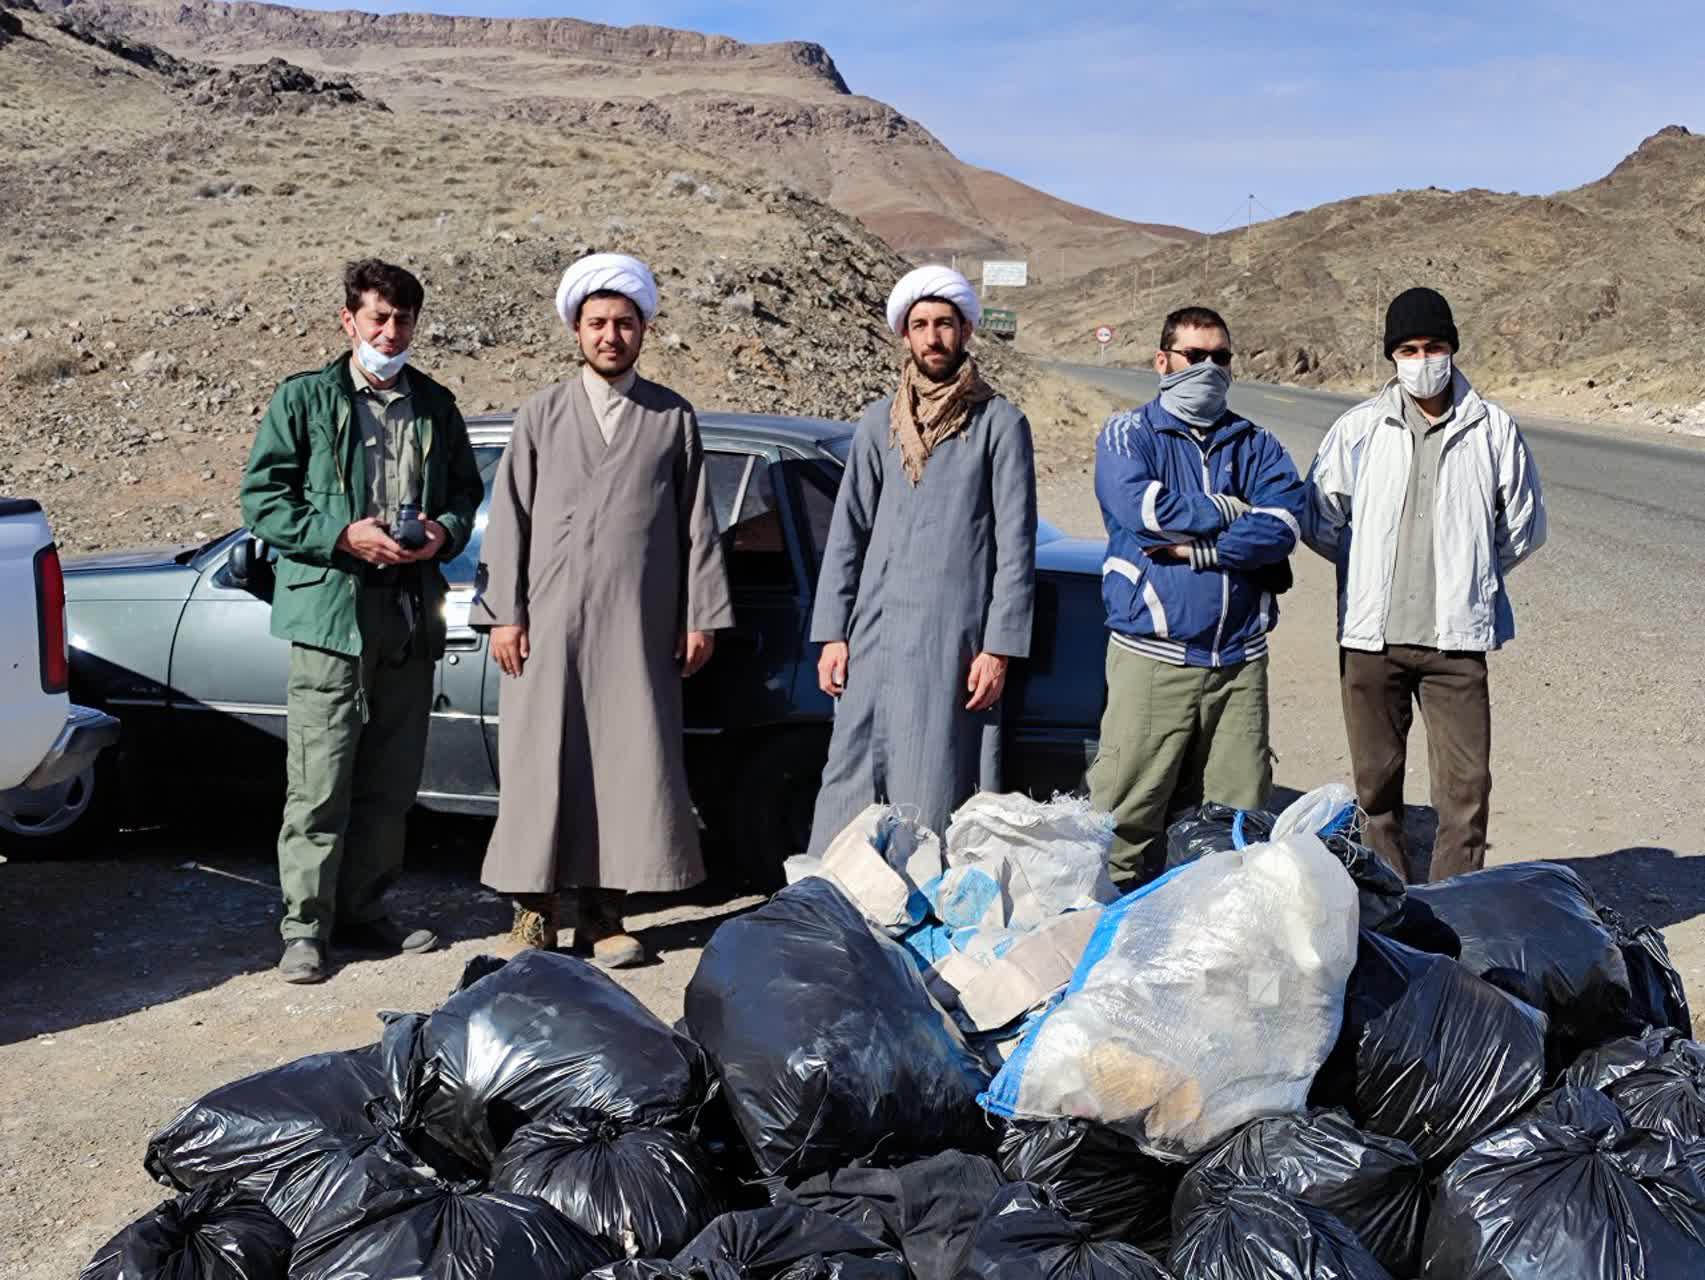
[409,532]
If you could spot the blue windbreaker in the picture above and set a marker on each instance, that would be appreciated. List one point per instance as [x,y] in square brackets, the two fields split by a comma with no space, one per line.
[1234,498]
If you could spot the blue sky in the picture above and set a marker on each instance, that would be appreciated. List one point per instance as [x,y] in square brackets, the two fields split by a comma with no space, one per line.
[1176,112]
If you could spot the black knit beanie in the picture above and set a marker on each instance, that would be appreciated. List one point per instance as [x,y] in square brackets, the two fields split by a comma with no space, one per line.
[1418,313]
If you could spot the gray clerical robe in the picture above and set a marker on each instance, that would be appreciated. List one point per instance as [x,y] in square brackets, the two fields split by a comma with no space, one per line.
[918,581]
[606,553]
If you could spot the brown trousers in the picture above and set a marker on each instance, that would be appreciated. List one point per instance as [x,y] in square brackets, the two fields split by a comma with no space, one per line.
[1380,690]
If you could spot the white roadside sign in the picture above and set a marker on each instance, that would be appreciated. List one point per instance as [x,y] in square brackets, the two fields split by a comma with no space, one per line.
[1006,273]
[1104,335]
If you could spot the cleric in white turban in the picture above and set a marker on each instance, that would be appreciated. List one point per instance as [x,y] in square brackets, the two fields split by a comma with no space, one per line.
[934,281]
[606,273]
[927,585]
[602,584]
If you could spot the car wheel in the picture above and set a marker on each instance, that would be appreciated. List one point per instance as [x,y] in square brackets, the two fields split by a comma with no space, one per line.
[774,798]
[70,817]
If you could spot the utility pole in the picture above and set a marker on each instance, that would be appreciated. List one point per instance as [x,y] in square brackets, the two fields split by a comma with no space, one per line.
[1062,265]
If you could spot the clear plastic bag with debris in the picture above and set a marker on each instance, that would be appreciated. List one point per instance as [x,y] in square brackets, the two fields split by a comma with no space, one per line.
[1204,1000]
[1016,863]
[880,861]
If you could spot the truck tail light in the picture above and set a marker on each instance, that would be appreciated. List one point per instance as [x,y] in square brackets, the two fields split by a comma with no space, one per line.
[50,621]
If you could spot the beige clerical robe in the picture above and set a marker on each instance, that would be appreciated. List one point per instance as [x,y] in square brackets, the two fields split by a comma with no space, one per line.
[606,551]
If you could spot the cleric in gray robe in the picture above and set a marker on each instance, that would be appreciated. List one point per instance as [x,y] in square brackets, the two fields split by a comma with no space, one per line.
[601,581]
[928,579]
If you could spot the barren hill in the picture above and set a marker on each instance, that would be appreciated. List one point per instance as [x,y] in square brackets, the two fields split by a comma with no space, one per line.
[783,106]
[175,234]
[1597,292]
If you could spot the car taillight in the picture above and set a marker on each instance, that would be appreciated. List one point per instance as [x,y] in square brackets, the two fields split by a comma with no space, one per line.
[50,621]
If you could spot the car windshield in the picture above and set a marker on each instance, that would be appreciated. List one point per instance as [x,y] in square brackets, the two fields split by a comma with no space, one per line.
[460,571]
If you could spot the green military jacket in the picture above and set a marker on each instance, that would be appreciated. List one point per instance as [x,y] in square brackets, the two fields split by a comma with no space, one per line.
[307,481]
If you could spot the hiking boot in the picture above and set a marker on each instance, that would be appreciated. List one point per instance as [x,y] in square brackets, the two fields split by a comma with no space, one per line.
[599,933]
[385,934]
[534,928]
[304,960]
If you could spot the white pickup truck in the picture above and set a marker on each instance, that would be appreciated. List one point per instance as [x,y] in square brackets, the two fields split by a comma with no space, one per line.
[48,746]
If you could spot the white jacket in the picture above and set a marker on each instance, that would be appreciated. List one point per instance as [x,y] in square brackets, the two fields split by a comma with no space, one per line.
[1490,516]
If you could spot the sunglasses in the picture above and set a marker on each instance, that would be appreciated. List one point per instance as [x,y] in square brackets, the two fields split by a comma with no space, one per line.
[1195,355]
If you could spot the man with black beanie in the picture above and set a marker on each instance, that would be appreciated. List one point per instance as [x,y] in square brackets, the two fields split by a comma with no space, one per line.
[1424,497]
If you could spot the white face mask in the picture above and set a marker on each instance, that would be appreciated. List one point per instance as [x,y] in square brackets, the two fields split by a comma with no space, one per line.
[1425,376]
[377,363]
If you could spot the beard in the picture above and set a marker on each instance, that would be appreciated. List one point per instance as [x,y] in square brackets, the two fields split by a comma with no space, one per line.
[610,364]
[944,373]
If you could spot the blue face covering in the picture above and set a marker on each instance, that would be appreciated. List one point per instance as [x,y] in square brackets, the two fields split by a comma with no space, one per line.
[1196,394]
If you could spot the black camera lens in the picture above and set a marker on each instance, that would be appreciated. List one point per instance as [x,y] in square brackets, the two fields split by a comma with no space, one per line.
[411,533]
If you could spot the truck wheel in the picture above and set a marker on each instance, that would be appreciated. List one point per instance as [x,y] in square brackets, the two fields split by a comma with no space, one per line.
[774,797]
[71,818]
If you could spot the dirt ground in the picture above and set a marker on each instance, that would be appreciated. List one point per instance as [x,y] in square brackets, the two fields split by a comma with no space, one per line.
[137,977]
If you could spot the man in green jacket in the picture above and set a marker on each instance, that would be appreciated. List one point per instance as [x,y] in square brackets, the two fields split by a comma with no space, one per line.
[362,479]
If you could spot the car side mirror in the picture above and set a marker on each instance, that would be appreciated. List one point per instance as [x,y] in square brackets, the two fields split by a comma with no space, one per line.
[248,569]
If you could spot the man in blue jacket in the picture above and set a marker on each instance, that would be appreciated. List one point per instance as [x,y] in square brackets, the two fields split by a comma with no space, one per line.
[1202,510]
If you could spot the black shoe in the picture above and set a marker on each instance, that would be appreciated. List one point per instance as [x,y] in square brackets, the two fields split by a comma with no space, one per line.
[304,960]
[385,934]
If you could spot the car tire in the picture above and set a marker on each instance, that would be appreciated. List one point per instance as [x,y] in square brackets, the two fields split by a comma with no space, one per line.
[71,819]
[775,793]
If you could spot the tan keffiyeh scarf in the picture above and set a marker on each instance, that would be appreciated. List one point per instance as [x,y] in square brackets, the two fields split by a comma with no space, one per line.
[926,413]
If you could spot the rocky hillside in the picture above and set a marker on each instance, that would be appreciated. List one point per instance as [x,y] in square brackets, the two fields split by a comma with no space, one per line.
[1594,294]
[782,106]
[173,258]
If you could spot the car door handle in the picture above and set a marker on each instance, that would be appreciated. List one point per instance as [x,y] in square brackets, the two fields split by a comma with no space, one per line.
[462,640]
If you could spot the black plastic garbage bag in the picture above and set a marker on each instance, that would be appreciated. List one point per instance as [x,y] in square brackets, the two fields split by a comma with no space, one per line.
[1602,1067]
[790,1242]
[643,1192]
[1429,1053]
[1533,929]
[1657,1080]
[217,1232]
[1374,1185]
[246,1129]
[926,1210]
[1570,1190]
[1236,1230]
[1210,829]
[1025,1235]
[828,1047]
[1660,997]
[339,1179]
[662,1269]
[1098,1176]
[542,1036]
[445,1232]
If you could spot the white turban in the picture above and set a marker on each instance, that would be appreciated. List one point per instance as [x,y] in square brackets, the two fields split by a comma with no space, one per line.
[606,273]
[932,282]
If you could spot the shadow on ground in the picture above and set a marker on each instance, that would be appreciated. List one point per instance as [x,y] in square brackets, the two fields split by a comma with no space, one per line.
[151,916]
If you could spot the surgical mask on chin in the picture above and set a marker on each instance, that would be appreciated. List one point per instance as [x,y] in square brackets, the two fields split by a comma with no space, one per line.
[1196,394]
[1424,376]
[377,363]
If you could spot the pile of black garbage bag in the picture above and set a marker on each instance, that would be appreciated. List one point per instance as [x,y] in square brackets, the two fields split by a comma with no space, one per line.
[1514,1094]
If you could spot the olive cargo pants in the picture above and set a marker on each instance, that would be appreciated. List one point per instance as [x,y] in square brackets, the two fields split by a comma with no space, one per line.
[1173,737]
[356,743]
[1380,691]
